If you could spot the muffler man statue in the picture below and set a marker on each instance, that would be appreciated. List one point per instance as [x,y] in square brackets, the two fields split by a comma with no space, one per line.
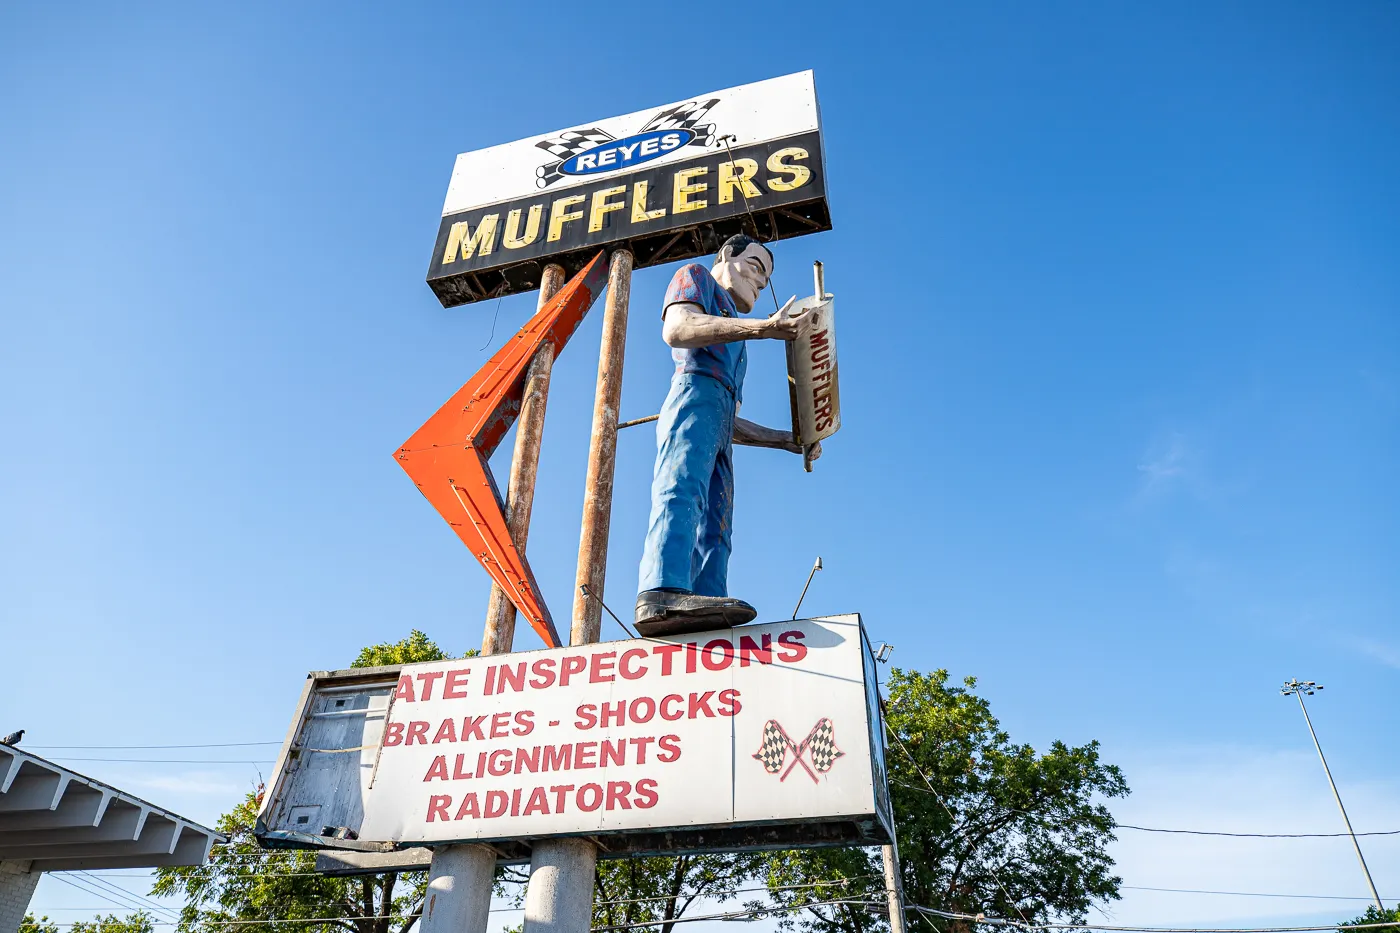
[684,575]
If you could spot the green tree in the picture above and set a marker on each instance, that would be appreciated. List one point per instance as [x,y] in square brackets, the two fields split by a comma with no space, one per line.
[637,890]
[1374,914]
[139,922]
[241,881]
[984,825]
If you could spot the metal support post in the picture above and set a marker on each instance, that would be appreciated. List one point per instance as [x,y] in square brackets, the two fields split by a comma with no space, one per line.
[894,887]
[524,466]
[460,882]
[461,878]
[602,455]
[559,898]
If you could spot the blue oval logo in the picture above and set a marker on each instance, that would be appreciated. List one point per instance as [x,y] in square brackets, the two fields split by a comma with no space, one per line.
[625,153]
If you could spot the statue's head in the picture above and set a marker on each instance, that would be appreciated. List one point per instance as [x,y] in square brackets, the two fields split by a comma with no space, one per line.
[742,267]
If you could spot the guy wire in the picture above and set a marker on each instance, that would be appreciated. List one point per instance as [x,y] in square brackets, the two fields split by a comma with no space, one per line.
[752,220]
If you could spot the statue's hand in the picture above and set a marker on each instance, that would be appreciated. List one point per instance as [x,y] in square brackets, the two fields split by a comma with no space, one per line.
[796,448]
[789,325]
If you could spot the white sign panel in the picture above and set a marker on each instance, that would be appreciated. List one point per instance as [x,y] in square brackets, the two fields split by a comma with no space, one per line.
[751,113]
[756,725]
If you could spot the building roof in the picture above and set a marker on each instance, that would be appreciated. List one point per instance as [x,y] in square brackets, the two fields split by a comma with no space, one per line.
[60,820]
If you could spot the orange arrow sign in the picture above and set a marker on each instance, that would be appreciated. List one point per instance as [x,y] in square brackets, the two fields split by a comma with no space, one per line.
[447,458]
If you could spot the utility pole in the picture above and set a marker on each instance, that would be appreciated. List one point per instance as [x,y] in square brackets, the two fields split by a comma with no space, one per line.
[894,886]
[1297,688]
[559,897]
[461,877]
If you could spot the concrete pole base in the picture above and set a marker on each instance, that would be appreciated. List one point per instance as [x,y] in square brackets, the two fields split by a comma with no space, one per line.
[559,898]
[459,890]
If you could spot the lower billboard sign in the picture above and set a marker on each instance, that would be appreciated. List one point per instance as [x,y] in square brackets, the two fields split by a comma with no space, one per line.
[757,737]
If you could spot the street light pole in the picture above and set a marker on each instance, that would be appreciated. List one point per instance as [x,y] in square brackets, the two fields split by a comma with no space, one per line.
[1297,688]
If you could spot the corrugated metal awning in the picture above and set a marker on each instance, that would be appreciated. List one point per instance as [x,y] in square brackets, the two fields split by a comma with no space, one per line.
[59,820]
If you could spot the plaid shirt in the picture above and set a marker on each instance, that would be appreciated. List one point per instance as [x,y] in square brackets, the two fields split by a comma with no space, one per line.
[726,362]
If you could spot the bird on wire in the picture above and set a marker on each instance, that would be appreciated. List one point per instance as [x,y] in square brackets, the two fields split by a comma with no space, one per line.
[13,738]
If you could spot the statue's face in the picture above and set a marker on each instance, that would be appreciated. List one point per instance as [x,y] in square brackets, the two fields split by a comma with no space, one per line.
[745,275]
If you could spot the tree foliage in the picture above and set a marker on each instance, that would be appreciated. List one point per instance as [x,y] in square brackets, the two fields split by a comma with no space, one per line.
[139,922]
[637,890]
[1374,914]
[984,825]
[241,881]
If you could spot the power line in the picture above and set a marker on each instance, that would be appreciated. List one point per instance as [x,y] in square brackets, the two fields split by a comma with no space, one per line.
[178,761]
[999,921]
[1308,897]
[129,747]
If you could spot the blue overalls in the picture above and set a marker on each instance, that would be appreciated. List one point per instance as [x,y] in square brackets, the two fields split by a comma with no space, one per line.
[692,487]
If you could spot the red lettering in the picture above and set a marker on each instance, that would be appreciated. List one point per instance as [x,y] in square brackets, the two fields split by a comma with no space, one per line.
[457,773]
[543,669]
[404,691]
[500,725]
[527,758]
[560,790]
[585,806]
[393,734]
[573,664]
[515,794]
[641,709]
[598,672]
[691,653]
[496,804]
[584,754]
[455,686]
[447,732]
[471,728]
[499,762]
[438,769]
[557,758]
[646,790]
[670,746]
[437,807]
[750,651]
[700,702]
[480,764]
[587,716]
[427,678]
[729,701]
[538,802]
[726,654]
[667,652]
[617,795]
[417,730]
[792,641]
[631,654]
[512,678]
[490,682]
[471,807]
[640,743]
[613,753]
[524,722]
[666,701]
[613,712]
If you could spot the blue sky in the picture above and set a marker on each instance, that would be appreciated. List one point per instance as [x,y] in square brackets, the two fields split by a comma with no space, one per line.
[1120,358]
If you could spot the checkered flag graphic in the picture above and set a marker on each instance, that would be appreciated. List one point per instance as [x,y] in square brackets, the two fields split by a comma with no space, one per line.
[566,145]
[822,743]
[686,116]
[774,747]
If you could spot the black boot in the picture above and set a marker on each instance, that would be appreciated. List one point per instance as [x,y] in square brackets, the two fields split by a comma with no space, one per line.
[675,612]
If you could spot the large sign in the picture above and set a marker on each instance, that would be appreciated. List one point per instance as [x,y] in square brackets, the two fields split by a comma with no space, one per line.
[765,735]
[668,183]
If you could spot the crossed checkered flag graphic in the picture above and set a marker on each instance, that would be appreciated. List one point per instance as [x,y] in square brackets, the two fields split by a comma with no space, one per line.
[820,744]
[570,143]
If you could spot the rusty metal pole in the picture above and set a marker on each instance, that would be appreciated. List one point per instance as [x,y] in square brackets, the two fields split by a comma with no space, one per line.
[559,898]
[602,456]
[524,466]
[461,878]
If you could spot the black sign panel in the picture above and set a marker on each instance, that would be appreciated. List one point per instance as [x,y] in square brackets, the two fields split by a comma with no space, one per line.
[677,210]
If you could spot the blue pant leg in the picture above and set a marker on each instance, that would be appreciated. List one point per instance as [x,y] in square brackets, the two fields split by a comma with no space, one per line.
[689,437]
[711,565]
